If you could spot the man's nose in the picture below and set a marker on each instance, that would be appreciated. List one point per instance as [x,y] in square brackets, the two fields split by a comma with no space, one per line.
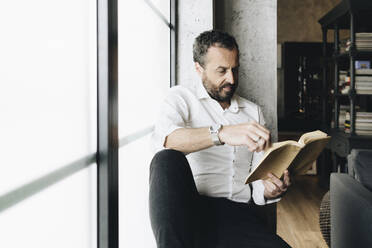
[230,77]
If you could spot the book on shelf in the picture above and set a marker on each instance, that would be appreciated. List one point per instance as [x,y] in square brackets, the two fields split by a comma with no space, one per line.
[363,123]
[341,117]
[363,71]
[359,132]
[363,84]
[296,156]
[363,87]
[363,42]
[359,90]
[366,126]
[360,115]
[343,45]
[363,79]
[344,115]
[364,92]
[362,64]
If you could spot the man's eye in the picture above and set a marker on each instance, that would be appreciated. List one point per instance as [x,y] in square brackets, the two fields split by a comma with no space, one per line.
[222,71]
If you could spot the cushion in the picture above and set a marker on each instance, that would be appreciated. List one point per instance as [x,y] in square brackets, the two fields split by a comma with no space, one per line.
[360,161]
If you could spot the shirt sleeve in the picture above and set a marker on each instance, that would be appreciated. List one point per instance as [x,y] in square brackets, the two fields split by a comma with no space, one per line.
[258,186]
[173,115]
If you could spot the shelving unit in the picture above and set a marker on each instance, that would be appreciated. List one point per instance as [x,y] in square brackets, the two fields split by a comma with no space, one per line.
[302,86]
[353,15]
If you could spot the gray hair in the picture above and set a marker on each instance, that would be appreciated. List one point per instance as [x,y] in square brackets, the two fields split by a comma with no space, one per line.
[211,38]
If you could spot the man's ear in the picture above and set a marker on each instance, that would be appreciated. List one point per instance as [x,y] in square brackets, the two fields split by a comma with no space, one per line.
[199,69]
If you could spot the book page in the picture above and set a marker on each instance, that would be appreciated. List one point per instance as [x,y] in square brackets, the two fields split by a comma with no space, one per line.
[296,156]
[302,163]
[308,137]
[276,160]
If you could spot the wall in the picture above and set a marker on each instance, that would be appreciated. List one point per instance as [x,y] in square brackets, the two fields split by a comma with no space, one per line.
[253,23]
[298,20]
[194,17]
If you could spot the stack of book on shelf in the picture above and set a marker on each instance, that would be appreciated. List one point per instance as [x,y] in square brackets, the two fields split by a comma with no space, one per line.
[343,45]
[363,81]
[342,116]
[363,123]
[344,81]
[363,42]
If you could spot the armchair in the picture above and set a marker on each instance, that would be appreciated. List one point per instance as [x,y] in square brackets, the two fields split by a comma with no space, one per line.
[351,202]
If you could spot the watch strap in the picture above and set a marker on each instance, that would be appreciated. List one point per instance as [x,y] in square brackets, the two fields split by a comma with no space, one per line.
[214,131]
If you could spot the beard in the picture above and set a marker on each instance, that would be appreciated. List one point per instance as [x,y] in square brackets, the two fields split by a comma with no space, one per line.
[217,92]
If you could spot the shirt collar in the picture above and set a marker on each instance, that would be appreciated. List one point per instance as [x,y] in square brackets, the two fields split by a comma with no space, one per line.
[203,94]
[234,105]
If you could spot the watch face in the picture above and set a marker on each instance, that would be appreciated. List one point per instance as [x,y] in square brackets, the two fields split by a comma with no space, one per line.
[215,127]
[214,130]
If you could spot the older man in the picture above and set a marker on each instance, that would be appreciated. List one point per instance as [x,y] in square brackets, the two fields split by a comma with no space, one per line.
[201,199]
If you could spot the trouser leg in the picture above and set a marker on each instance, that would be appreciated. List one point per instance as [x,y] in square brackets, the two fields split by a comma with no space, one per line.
[180,217]
[173,199]
[239,226]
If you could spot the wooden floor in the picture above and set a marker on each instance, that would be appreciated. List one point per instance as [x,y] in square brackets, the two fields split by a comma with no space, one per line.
[298,214]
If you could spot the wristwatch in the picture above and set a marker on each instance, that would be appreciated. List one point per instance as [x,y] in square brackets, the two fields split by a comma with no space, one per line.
[214,131]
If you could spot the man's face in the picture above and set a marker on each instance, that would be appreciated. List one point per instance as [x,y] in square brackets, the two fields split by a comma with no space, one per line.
[220,73]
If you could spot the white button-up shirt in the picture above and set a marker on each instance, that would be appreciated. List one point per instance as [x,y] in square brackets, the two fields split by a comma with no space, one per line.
[219,171]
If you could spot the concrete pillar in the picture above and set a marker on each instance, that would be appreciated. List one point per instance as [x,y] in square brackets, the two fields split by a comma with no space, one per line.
[194,17]
[253,23]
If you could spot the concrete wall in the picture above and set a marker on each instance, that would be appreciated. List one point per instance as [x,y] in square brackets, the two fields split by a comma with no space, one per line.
[298,20]
[253,23]
[194,17]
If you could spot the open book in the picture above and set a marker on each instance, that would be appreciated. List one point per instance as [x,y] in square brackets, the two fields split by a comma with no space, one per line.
[295,156]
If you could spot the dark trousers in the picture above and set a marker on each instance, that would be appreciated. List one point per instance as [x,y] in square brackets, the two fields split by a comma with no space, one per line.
[180,217]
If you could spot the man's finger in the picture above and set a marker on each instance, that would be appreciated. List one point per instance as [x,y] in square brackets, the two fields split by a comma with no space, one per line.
[277,181]
[267,145]
[271,188]
[262,134]
[259,130]
[257,139]
[252,146]
[264,129]
[254,137]
[287,179]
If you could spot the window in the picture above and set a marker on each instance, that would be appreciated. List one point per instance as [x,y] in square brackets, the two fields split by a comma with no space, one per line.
[54,117]
[48,123]
[144,77]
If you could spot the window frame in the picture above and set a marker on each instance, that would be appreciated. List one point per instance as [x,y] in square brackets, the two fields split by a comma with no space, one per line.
[107,115]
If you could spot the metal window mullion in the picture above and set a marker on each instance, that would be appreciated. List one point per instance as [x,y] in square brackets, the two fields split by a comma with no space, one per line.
[107,125]
[157,12]
[173,42]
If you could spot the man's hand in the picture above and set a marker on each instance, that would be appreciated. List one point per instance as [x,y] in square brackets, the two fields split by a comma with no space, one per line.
[253,135]
[274,187]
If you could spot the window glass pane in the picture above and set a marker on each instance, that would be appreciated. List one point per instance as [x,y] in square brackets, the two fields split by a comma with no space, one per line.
[48,117]
[63,215]
[134,221]
[144,67]
[163,6]
[144,77]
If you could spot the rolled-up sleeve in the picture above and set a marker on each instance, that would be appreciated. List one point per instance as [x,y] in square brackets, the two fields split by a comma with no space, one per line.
[258,186]
[173,115]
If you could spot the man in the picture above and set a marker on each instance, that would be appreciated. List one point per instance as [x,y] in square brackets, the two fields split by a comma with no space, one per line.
[202,200]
